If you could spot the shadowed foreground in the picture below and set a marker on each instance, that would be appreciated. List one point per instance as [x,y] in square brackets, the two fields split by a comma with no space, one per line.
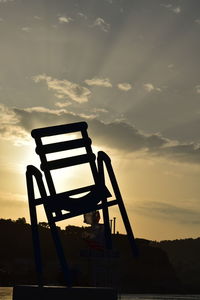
[151,272]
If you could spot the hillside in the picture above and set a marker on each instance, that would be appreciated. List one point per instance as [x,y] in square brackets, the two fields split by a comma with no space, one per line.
[184,256]
[156,270]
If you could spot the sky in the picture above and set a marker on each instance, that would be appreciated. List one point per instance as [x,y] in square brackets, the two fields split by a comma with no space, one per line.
[130,69]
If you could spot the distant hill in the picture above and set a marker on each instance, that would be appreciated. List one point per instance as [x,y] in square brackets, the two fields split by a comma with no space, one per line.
[160,268]
[184,255]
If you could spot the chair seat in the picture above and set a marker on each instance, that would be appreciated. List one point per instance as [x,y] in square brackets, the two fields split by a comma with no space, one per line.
[63,201]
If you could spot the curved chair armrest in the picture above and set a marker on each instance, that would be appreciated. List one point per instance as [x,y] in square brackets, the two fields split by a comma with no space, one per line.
[104,158]
[33,171]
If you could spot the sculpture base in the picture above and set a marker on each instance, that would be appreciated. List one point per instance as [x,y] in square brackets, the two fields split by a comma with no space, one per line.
[33,292]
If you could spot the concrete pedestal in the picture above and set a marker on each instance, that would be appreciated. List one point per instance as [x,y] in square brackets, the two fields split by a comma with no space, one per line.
[33,292]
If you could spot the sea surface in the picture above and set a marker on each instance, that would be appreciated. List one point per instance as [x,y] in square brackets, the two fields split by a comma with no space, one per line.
[6,294]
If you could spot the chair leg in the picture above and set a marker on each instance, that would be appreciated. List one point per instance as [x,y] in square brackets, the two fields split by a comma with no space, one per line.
[34,229]
[123,211]
[107,230]
[36,245]
[60,253]
[127,226]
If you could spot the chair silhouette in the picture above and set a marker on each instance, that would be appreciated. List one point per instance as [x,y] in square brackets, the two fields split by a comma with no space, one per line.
[62,205]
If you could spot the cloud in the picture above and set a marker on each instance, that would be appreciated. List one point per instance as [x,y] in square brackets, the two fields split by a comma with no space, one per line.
[105,82]
[176,10]
[37,18]
[10,128]
[123,137]
[6,198]
[170,66]
[26,29]
[65,88]
[166,5]
[102,110]
[124,86]
[82,15]
[188,152]
[42,109]
[197,21]
[99,22]
[119,136]
[62,104]
[56,113]
[7,115]
[168,211]
[197,87]
[4,1]
[63,19]
[150,87]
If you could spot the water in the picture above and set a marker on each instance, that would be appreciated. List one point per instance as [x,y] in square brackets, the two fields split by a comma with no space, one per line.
[6,294]
[158,297]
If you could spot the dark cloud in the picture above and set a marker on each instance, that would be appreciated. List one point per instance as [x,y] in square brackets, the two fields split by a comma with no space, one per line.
[123,136]
[181,152]
[42,117]
[118,135]
[170,212]
[187,131]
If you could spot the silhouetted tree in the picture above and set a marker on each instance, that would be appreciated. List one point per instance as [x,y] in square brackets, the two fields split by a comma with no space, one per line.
[21,220]
[44,224]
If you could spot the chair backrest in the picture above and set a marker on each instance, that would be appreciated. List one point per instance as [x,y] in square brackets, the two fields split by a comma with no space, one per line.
[43,149]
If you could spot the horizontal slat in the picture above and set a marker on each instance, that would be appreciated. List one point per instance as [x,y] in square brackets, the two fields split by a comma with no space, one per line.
[59,129]
[67,162]
[83,189]
[67,215]
[74,214]
[62,146]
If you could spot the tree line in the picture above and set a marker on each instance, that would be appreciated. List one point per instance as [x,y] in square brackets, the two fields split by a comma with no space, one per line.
[161,267]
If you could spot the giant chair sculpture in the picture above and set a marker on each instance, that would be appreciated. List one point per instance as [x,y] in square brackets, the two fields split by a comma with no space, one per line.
[61,206]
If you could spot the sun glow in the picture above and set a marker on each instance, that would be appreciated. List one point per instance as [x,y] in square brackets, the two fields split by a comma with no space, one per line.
[64,178]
